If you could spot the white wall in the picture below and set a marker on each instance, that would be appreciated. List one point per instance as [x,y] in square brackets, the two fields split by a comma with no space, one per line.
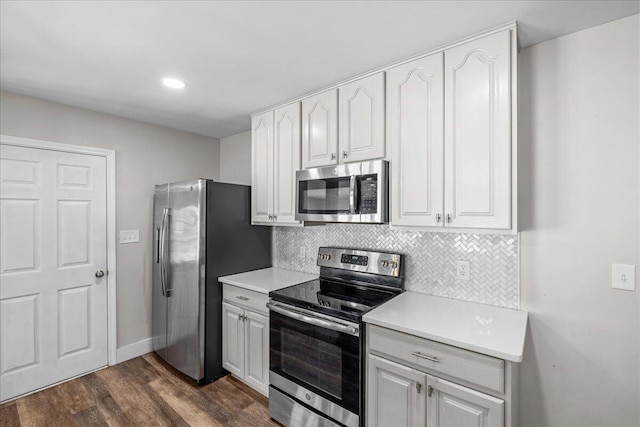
[145,155]
[579,198]
[235,158]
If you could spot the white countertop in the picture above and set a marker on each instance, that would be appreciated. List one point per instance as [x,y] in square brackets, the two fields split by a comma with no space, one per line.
[486,329]
[267,279]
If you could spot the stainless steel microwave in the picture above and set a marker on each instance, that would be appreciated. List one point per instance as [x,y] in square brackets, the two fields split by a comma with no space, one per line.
[355,192]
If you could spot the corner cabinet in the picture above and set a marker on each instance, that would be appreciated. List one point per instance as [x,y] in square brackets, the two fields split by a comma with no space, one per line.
[275,149]
[453,137]
[412,381]
[245,336]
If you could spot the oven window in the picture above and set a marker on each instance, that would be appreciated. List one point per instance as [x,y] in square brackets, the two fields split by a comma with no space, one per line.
[324,196]
[312,361]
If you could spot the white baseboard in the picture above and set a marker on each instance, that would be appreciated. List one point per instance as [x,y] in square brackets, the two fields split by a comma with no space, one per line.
[135,349]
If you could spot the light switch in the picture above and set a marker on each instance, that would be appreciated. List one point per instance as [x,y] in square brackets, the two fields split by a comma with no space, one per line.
[623,276]
[129,236]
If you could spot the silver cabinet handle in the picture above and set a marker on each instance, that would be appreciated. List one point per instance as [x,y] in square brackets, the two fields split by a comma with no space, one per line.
[99,273]
[241,298]
[424,356]
[429,391]
[239,317]
[438,217]
[303,316]
[345,154]
[418,387]
[333,156]
[449,218]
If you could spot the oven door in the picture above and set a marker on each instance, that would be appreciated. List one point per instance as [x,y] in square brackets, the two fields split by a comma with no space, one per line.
[328,194]
[317,359]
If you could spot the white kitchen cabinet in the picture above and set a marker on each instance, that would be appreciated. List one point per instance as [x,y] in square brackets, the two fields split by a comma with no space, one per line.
[395,394]
[415,132]
[450,404]
[275,142]
[361,106]
[245,336]
[451,137]
[262,167]
[320,129]
[478,133]
[412,381]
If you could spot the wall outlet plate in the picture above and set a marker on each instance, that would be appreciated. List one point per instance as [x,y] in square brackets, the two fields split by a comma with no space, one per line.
[302,252]
[463,270]
[623,276]
[129,236]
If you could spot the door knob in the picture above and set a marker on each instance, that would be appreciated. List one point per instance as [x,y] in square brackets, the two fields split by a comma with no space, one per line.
[99,273]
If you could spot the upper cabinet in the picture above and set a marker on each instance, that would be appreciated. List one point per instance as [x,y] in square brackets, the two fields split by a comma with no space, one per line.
[361,119]
[275,148]
[320,129]
[415,131]
[478,154]
[452,138]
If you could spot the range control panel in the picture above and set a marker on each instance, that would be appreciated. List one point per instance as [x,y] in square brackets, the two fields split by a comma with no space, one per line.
[384,263]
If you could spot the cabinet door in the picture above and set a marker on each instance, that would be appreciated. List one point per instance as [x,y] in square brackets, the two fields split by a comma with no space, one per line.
[415,127]
[257,351]
[286,155]
[361,119]
[233,339]
[395,394]
[320,129]
[262,167]
[451,404]
[478,133]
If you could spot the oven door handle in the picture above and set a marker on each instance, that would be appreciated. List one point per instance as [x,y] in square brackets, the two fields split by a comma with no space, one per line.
[316,321]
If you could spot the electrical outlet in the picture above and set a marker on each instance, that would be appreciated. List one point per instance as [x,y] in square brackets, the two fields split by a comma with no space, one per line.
[302,252]
[623,276]
[129,236]
[463,270]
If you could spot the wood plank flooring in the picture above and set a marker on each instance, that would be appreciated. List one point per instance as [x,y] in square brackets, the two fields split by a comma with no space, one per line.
[143,391]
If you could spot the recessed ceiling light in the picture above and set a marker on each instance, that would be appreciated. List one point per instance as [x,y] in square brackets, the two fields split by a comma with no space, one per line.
[173,83]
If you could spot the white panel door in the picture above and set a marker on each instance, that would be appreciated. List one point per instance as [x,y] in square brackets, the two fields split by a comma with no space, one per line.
[256,350]
[232,339]
[452,405]
[262,167]
[53,308]
[361,122]
[395,394]
[415,126]
[286,156]
[478,133]
[320,129]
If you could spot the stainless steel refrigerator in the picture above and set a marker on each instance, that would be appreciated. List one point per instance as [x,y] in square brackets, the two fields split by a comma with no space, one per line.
[202,230]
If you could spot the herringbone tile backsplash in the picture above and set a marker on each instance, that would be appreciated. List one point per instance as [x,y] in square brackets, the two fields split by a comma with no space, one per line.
[430,258]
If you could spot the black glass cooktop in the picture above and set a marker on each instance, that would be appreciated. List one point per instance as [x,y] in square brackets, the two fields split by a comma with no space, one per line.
[347,301]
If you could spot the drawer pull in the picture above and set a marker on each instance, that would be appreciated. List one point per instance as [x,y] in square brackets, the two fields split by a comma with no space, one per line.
[431,358]
[241,298]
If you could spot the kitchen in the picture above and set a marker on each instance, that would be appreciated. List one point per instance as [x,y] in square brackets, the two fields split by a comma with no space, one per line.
[576,98]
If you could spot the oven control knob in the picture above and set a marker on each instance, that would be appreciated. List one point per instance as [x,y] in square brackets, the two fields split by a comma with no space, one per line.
[328,256]
[394,264]
[385,264]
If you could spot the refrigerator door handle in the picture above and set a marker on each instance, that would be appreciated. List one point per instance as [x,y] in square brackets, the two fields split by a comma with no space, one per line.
[163,261]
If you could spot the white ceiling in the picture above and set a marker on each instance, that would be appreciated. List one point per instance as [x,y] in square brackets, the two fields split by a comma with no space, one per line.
[240,57]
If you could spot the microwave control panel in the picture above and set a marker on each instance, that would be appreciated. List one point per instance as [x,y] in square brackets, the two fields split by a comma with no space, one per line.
[368,194]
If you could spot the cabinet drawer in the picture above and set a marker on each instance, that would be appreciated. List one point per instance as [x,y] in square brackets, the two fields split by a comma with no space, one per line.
[475,368]
[245,298]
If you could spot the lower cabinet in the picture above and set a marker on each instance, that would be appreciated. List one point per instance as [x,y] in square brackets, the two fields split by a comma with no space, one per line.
[402,391]
[245,346]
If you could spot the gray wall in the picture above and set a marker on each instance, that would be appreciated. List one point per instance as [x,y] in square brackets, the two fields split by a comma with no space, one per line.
[145,155]
[235,158]
[579,195]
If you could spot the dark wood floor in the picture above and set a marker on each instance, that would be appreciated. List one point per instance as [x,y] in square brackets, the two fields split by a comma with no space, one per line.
[141,391]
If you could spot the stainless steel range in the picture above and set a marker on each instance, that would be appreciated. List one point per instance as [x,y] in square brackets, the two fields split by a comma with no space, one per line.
[317,339]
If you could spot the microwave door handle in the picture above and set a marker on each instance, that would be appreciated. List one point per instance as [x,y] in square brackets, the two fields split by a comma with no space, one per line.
[353,194]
